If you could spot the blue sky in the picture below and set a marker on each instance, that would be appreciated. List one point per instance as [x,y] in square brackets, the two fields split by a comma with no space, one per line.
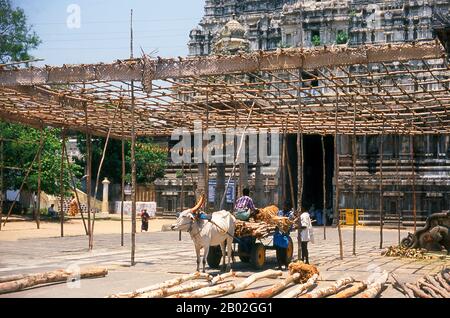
[103,35]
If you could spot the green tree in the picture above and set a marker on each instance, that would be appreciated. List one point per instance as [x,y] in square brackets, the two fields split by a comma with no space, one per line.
[20,147]
[16,37]
[151,159]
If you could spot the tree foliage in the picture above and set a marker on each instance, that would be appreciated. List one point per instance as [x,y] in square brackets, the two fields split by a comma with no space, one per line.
[16,37]
[342,37]
[151,159]
[20,147]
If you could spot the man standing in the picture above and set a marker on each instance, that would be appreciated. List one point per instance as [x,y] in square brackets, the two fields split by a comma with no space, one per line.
[307,235]
[244,206]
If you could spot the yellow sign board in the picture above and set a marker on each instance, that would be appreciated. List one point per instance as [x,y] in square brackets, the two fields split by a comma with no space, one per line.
[347,217]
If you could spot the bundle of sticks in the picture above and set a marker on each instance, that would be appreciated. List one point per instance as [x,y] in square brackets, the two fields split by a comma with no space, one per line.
[255,229]
[429,286]
[14,283]
[264,224]
[400,251]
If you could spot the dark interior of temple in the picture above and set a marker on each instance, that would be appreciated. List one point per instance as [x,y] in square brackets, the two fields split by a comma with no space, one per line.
[312,170]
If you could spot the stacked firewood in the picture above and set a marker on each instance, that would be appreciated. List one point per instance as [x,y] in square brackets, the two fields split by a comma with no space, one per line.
[429,286]
[258,230]
[264,224]
[400,251]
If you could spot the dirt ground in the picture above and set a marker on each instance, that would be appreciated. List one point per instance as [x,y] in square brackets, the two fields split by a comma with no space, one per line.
[14,231]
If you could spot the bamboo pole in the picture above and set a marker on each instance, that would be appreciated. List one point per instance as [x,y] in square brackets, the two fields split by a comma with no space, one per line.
[88,184]
[381,187]
[355,219]
[299,170]
[75,190]
[122,189]
[397,149]
[38,203]
[413,171]
[1,181]
[61,181]
[291,181]
[23,184]
[133,158]
[324,174]
[283,167]
[336,177]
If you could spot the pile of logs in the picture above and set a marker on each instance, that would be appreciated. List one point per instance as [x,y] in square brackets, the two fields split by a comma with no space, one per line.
[302,281]
[436,286]
[400,251]
[264,224]
[258,230]
[14,283]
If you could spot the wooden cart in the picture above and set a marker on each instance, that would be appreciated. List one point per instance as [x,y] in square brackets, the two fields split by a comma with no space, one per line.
[249,249]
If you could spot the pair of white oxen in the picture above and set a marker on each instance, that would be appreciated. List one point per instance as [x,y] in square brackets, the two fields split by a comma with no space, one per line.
[205,233]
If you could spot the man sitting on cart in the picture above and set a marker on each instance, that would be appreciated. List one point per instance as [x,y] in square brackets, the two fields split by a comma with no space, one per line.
[244,207]
[280,239]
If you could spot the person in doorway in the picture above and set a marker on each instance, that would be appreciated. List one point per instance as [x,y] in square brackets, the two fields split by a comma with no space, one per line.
[144,219]
[306,235]
[51,211]
[73,206]
[244,206]
[280,239]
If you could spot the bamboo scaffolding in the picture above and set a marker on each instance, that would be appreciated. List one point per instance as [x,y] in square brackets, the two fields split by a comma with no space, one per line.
[38,203]
[61,181]
[324,174]
[336,178]
[122,188]
[133,158]
[354,156]
[2,159]
[381,189]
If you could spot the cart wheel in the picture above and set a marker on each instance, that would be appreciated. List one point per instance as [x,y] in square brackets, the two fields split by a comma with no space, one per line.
[214,256]
[243,258]
[258,255]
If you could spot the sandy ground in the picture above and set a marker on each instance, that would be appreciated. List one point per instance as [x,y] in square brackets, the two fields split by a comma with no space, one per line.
[14,231]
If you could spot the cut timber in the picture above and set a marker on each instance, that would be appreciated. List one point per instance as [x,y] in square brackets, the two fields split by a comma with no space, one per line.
[50,277]
[437,286]
[166,284]
[12,277]
[233,287]
[402,287]
[331,290]
[417,291]
[442,281]
[275,289]
[376,287]
[189,287]
[301,288]
[351,291]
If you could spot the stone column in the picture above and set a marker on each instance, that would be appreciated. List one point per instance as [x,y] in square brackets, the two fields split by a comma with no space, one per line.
[105,203]
[243,177]
[259,187]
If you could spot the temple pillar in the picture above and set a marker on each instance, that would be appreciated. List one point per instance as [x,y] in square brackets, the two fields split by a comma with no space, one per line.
[105,201]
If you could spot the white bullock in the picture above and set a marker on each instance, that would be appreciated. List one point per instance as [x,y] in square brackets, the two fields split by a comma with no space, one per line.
[206,233]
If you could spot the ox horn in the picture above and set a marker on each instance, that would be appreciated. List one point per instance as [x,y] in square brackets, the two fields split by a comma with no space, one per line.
[199,204]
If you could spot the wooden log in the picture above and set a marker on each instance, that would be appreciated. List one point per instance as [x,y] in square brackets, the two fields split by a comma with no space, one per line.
[166,284]
[10,278]
[375,288]
[417,291]
[431,291]
[402,287]
[439,290]
[191,286]
[442,281]
[331,290]
[49,277]
[438,286]
[351,291]
[301,288]
[275,289]
[228,288]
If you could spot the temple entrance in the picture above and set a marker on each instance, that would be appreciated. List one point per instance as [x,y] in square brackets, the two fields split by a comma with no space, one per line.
[312,170]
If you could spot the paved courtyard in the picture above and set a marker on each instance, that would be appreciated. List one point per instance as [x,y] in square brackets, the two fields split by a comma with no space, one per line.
[161,256]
